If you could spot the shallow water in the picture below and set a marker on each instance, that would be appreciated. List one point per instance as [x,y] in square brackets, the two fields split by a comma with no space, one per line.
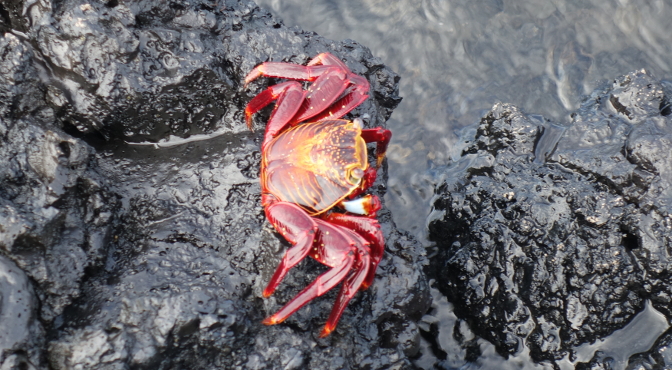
[457,58]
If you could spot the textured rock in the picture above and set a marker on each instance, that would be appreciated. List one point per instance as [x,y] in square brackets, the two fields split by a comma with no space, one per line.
[550,237]
[21,335]
[129,195]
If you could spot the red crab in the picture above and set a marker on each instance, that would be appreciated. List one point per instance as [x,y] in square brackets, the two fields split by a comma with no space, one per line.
[312,164]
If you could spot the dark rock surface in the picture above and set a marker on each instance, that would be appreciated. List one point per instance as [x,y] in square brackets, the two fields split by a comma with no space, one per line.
[550,237]
[131,234]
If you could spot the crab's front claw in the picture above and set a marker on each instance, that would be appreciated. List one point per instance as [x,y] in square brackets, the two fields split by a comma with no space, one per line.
[367,205]
[382,138]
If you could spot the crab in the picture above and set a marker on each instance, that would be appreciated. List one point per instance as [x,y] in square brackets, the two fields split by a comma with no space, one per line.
[314,172]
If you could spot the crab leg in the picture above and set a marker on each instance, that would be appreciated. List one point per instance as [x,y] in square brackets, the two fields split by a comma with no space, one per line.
[289,96]
[299,229]
[287,70]
[352,97]
[369,229]
[295,106]
[321,285]
[322,93]
[316,66]
[381,137]
[327,59]
[333,85]
[348,290]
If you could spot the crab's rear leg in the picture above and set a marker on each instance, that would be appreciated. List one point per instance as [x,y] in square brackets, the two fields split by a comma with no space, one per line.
[321,285]
[328,85]
[369,229]
[316,67]
[349,288]
[348,99]
[327,59]
[289,96]
[287,70]
[322,95]
[351,98]
[330,241]
[294,224]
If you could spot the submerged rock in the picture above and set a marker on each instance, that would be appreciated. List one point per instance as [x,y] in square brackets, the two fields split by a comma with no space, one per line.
[550,237]
[130,202]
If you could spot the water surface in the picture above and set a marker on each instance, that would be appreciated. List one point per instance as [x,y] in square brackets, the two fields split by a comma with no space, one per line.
[457,58]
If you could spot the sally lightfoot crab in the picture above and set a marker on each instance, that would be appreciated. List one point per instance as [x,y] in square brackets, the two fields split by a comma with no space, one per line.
[314,169]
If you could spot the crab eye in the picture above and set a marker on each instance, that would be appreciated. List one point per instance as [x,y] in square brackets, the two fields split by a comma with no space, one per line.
[356,175]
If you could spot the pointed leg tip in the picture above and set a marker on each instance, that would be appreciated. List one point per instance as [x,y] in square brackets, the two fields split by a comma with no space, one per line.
[326,331]
[255,73]
[248,120]
[267,293]
[379,161]
[271,320]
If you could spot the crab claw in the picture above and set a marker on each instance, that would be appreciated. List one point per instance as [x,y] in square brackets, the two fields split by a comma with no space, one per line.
[367,205]
[382,138]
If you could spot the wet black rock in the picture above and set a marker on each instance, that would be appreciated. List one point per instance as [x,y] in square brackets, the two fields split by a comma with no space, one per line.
[55,211]
[21,335]
[131,231]
[551,237]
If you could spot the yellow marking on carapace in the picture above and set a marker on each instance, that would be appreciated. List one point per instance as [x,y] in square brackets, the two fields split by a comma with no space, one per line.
[309,196]
[314,162]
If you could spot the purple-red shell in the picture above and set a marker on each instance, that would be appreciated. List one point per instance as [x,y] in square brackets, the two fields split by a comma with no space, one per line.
[312,164]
